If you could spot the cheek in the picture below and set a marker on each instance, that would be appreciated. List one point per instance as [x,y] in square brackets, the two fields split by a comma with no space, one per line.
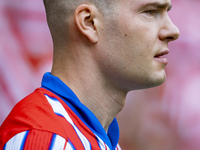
[129,42]
[138,47]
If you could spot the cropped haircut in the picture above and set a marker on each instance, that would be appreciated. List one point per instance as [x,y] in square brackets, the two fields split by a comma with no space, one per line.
[58,12]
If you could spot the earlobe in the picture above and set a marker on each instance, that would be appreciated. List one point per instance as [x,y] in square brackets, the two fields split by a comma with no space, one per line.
[85,22]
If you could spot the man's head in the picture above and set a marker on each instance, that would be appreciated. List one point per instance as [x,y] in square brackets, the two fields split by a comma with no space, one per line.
[127,39]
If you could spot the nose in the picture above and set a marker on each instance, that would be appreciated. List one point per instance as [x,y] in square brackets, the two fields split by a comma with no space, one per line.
[169,31]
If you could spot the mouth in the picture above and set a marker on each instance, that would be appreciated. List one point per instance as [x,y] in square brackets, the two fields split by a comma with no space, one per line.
[161,57]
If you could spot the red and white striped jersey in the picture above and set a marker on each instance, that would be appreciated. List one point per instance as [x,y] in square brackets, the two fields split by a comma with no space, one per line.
[48,119]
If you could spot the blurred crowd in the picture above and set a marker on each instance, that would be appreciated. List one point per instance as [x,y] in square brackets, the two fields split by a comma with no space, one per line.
[162,118]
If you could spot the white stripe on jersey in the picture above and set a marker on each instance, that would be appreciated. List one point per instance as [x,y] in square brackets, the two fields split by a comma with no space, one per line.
[69,146]
[58,143]
[17,142]
[60,110]
[102,145]
[118,147]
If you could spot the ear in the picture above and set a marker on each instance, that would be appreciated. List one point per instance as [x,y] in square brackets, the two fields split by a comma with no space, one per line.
[85,19]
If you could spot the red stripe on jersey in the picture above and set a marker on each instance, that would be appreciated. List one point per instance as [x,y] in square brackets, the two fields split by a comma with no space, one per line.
[39,140]
[117,148]
[65,145]
[105,146]
[85,131]
[71,133]
[80,125]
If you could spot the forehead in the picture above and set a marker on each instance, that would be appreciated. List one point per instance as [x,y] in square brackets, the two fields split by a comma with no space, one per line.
[150,1]
[161,3]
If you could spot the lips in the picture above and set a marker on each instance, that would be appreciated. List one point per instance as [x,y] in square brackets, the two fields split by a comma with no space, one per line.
[161,57]
[162,53]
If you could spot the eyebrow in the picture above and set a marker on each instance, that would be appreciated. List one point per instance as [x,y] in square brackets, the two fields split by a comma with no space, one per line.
[158,5]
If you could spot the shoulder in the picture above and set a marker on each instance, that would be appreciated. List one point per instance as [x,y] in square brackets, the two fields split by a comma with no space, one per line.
[32,112]
[36,139]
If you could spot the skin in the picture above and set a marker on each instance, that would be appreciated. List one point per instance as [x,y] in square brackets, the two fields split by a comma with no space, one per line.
[137,36]
[104,57]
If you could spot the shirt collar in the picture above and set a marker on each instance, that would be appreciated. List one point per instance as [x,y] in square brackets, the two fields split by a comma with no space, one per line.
[58,87]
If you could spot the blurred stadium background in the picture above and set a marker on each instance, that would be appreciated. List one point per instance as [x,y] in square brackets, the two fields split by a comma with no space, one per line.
[162,118]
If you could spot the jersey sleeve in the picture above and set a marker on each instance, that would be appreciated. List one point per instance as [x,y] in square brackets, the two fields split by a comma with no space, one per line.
[36,139]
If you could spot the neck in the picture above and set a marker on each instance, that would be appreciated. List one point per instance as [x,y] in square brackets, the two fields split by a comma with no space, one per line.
[90,87]
[105,103]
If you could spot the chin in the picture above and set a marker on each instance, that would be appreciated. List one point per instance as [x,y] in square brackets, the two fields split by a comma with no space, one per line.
[159,83]
[145,82]
[155,81]
[158,80]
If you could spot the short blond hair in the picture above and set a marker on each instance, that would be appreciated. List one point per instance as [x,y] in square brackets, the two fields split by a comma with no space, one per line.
[58,11]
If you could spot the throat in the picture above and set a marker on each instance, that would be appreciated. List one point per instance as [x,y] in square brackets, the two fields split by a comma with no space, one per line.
[105,109]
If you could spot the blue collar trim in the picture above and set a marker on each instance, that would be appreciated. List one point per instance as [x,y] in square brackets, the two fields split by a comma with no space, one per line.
[55,85]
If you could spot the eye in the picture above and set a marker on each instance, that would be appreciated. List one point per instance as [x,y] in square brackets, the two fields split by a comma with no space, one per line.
[151,12]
